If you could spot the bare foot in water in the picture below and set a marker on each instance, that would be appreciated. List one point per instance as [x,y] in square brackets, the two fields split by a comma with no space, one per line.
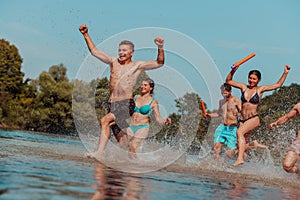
[258,145]
[238,162]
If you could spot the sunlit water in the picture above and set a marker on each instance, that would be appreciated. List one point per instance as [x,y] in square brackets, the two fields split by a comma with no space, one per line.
[43,166]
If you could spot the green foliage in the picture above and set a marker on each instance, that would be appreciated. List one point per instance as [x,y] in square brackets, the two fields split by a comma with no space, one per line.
[51,109]
[11,77]
[11,82]
[42,105]
[58,73]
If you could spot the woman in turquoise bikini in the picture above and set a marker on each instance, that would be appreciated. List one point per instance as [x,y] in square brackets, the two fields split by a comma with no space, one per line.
[140,120]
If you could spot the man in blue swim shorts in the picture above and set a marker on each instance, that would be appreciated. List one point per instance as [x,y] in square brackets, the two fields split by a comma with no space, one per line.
[225,134]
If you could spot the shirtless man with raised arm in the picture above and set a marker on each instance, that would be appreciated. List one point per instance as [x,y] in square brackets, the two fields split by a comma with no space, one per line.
[123,76]
[293,154]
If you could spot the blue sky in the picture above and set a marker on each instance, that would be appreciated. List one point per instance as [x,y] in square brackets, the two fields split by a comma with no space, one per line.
[46,32]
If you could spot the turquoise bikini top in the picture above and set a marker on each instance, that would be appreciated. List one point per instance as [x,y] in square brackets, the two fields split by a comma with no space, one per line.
[145,109]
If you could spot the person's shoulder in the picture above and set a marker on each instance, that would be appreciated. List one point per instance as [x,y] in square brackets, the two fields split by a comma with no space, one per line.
[138,63]
[114,59]
[154,102]
[233,98]
[115,62]
[222,101]
[236,99]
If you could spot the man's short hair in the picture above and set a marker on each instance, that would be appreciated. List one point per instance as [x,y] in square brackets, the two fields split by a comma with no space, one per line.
[226,87]
[127,42]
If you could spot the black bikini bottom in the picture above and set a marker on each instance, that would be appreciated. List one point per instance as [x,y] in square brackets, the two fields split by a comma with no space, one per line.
[244,120]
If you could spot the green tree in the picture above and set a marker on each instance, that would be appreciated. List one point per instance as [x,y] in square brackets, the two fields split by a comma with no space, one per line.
[51,109]
[58,73]
[11,76]
[11,82]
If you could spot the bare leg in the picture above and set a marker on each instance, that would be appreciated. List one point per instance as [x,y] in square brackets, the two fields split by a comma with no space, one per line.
[258,145]
[289,162]
[104,134]
[241,149]
[137,140]
[122,137]
[217,150]
[105,131]
[243,129]
[254,145]
[134,144]
[231,152]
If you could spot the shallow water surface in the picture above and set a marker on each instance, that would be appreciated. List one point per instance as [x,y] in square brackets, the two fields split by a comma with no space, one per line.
[46,166]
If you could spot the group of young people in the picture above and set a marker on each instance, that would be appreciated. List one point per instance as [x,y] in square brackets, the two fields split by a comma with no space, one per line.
[225,134]
[239,116]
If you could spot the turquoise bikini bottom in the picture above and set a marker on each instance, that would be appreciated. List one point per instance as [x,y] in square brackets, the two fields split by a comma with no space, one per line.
[138,127]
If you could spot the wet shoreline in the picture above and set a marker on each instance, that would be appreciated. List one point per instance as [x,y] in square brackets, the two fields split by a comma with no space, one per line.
[44,152]
[58,165]
[241,178]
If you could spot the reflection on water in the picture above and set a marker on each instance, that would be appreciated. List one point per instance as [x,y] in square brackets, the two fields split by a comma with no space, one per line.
[114,184]
[43,166]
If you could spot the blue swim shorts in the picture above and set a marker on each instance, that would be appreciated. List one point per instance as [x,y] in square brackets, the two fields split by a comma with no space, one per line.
[226,135]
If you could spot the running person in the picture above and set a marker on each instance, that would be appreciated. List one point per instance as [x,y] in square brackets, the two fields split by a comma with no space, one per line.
[293,154]
[251,95]
[140,120]
[225,134]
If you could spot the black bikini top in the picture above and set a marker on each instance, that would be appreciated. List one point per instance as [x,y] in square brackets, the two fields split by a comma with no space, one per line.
[254,99]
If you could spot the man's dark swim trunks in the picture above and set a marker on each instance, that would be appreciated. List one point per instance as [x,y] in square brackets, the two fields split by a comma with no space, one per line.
[122,111]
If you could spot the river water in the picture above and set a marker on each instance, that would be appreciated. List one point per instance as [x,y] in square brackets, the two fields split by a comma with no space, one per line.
[47,166]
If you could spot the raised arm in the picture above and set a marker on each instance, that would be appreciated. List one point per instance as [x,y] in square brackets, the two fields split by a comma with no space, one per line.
[159,62]
[279,82]
[293,113]
[157,115]
[92,47]
[234,83]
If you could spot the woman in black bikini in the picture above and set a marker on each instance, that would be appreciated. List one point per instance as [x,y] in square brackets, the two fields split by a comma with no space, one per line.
[251,95]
